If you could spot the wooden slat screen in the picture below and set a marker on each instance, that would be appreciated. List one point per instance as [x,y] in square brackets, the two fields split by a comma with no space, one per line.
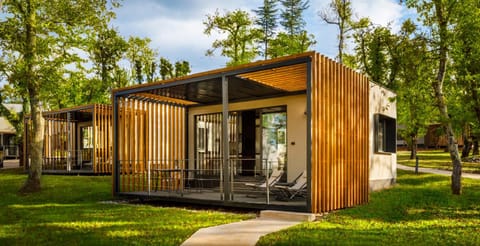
[150,134]
[339,117]
[103,137]
[59,143]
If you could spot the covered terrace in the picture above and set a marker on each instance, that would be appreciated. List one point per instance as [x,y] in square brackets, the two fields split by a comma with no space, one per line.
[207,137]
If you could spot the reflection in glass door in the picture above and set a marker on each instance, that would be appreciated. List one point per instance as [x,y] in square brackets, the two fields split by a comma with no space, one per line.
[274,136]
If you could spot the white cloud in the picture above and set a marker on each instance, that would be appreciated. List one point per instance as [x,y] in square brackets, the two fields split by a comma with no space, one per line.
[381,12]
[176,27]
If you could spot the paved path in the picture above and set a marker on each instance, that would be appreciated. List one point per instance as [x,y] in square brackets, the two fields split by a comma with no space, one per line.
[437,171]
[247,232]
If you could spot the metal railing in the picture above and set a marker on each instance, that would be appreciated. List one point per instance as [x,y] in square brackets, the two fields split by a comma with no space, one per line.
[80,159]
[182,178]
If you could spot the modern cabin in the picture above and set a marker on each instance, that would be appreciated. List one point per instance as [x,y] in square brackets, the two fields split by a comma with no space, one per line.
[76,140]
[221,137]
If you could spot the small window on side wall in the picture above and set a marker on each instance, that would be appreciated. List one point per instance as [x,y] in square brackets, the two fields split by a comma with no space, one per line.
[385,134]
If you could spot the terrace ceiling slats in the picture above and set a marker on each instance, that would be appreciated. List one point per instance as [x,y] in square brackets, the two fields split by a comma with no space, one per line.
[288,78]
[218,73]
[165,99]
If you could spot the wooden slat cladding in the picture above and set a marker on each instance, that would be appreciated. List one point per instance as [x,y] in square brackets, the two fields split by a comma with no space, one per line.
[339,116]
[63,141]
[151,136]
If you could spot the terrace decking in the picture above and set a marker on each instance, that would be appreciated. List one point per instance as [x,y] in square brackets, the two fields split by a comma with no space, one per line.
[243,196]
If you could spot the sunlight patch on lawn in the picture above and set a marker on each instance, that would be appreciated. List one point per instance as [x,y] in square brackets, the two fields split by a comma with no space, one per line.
[80,225]
[45,205]
[126,233]
[6,231]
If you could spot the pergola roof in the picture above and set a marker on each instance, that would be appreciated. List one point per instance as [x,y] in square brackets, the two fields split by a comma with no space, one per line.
[77,113]
[275,77]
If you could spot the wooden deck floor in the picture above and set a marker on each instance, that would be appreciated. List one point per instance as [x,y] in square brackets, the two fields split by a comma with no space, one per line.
[244,199]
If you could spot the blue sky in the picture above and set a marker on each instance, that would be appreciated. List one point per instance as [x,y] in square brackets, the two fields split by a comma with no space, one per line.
[176,29]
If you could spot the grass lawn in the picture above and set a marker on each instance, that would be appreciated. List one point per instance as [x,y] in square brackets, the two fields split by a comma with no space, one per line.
[419,211]
[69,211]
[438,159]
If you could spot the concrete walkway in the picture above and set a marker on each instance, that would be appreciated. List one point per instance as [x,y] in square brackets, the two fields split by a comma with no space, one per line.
[247,232]
[437,171]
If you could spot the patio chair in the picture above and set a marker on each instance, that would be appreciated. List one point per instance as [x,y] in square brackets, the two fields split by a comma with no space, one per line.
[295,188]
[272,180]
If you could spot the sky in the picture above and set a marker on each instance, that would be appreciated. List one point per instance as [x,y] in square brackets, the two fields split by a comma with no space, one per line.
[176,26]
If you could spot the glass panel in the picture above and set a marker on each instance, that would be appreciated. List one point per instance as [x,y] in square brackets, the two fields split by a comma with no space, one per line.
[87,137]
[274,132]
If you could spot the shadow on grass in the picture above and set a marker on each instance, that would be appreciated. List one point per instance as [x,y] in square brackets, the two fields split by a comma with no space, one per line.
[69,211]
[420,197]
[376,234]
[104,224]
[420,210]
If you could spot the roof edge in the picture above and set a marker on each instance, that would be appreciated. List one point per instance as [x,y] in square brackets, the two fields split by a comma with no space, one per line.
[220,71]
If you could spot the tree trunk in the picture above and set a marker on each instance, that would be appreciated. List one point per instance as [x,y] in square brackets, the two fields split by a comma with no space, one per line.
[475,146]
[442,21]
[36,147]
[466,146]
[20,153]
[32,184]
[413,152]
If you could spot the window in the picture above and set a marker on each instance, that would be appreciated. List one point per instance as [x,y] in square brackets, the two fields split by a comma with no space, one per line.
[201,133]
[87,137]
[385,134]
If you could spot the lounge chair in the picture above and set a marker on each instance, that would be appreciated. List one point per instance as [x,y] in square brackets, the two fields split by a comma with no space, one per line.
[295,188]
[272,180]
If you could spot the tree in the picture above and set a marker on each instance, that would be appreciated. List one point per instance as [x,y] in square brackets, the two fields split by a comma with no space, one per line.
[106,50]
[38,41]
[465,53]
[437,16]
[141,58]
[412,66]
[340,14]
[182,68]
[292,16]
[241,36]
[295,39]
[400,62]
[374,56]
[168,71]
[267,21]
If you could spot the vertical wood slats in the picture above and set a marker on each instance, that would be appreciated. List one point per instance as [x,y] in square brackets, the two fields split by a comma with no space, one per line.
[103,142]
[150,133]
[339,119]
[59,141]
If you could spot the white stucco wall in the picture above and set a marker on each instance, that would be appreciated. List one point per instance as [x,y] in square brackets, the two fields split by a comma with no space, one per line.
[296,127]
[383,166]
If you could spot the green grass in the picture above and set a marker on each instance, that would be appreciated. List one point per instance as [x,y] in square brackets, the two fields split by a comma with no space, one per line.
[438,159]
[419,211]
[69,211]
